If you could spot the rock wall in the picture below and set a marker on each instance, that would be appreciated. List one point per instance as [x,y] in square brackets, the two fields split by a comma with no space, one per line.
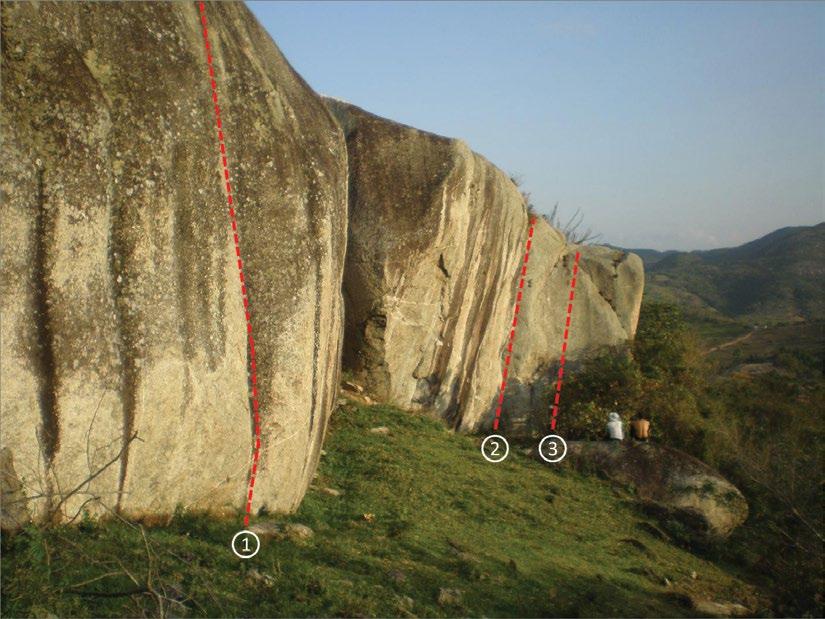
[606,306]
[119,290]
[436,233]
[123,348]
[436,236]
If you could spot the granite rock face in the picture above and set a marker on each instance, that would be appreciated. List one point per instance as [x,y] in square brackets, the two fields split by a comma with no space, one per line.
[606,304]
[121,302]
[14,514]
[436,242]
[123,344]
[436,233]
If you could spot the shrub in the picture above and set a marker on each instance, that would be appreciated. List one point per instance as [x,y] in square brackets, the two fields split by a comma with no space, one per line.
[586,421]
[656,378]
[608,382]
[674,415]
[612,380]
[664,347]
[765,436]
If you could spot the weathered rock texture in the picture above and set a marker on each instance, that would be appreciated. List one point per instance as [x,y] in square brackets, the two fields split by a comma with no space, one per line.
[436,239]
[608,296]
[12,497]
[121,304]
[436,233]
[669,482]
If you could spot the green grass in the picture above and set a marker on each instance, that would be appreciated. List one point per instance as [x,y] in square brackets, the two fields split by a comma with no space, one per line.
[517,538]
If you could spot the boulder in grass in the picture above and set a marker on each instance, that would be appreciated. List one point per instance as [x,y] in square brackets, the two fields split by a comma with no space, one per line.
[122,309]
[450,597]
[670,484]
[709,608]
[350,386]
[437,237]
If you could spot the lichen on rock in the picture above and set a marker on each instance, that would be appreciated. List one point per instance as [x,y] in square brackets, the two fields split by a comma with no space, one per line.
[122,309]
[670,483]
[436,240]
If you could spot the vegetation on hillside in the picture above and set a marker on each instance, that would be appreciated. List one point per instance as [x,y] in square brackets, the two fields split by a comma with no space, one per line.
[423,527]
[412,521]
[757,417]
[654,378]
[777,278]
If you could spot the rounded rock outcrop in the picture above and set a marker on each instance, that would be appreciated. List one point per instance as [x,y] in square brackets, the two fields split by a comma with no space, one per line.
[670,483]
[436,241]
[124,341]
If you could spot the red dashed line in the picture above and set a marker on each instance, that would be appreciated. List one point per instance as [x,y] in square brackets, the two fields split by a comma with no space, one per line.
[557,396]
[253,373]
[516,311]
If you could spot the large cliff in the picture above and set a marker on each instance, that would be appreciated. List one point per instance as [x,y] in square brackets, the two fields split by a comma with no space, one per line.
[121,302]
[436,233]
[436,237]
[123,345]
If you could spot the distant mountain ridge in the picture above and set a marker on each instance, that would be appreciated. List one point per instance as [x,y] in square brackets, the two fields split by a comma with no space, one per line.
[779,277]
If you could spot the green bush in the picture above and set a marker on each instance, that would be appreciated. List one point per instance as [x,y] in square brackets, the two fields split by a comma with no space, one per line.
[586,421]
[608,382]
[764,433]
[656,378]
[612,380]
[665,347]
[674,414]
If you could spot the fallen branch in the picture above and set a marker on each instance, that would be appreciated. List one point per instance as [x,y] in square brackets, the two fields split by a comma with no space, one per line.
[94,475]
[112,594]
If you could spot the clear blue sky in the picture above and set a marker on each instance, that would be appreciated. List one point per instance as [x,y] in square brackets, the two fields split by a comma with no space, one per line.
[670,125]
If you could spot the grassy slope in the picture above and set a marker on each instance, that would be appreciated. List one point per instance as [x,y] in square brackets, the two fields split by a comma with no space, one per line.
[518,538]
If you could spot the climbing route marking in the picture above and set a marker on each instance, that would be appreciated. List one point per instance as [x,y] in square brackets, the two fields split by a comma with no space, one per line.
[253,371]
[571,296]
[513,325]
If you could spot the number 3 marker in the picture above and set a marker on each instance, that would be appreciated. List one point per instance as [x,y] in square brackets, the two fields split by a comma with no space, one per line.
[552,448]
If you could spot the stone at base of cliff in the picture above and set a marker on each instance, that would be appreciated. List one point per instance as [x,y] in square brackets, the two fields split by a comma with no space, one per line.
[708,608]
[669,482]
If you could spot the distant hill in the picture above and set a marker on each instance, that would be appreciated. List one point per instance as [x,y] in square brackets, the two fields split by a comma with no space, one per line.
[652,256]
[777,278]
